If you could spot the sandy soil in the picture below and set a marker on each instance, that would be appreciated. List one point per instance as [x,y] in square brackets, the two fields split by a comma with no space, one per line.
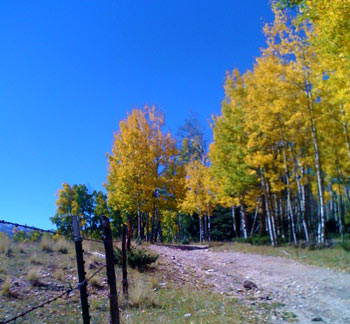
[313,294]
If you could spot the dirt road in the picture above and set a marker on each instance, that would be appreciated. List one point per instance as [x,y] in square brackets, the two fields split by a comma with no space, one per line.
[313,294]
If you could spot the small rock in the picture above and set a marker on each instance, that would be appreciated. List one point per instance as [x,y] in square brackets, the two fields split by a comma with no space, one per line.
[248,284]
[265,297]
[92,266]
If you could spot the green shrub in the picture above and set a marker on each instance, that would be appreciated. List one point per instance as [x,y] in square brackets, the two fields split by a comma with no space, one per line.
[138,241]
[317,246]
[136,258]
[19,236]
[345,245]
[185,241]
[346,236]
[35,236]
[242,240]
[261,240]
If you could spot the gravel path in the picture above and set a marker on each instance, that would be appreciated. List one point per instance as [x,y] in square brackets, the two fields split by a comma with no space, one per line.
[313,294]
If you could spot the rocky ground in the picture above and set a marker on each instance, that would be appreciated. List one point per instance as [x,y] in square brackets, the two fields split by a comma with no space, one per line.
[309,294]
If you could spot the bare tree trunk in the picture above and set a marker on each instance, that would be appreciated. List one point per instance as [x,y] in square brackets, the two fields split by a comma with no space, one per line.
[243,220]
[158,231]
[263,216]
[268,212]
[272,216]
[318,167]
[128,244]
[209,238]
[340,214]
[301,190]
[346,132]
[233,220]
[341,177]
[289,203]
[152,226]
[147,227]
[142,227]
[255,217]
[138,223]
[277,215]
[182,235]
[281,217]
[200,229]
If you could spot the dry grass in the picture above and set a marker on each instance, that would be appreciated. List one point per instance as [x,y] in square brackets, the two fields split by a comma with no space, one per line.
[141,293]
[154,281]
[4,244]
[7,291]
[150,301]
[62,246]
[46,244]
[59,274]
[20,247]
[35,260]
[95,259]
[6,288]
[333,258]
[95,283]
[177,305]
[33,277]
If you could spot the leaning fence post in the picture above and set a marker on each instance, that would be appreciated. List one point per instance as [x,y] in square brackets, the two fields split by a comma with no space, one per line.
[113,297]
[124,263]
[81,271]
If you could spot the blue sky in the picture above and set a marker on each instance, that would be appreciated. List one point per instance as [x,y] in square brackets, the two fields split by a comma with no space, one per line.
[70,70]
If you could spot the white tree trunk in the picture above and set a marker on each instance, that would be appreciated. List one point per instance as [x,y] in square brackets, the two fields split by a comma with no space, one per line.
[268,212]
[289,203]
[243,221]
[318,167]
[233,220]
[209,228]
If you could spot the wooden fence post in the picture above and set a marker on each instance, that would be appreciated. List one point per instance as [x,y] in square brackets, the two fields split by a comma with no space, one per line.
[124,263]
[81,271]
[108,244]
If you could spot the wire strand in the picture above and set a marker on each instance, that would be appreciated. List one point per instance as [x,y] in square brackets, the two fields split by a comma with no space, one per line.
[51,300]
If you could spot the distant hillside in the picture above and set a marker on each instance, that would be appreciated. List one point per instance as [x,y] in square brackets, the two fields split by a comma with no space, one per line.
[5,228]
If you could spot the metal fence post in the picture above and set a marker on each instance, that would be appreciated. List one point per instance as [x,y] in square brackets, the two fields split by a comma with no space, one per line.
[81,271]
[124,263]
[108,244]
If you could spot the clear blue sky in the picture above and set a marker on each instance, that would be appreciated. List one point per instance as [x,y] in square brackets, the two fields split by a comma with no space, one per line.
[70,70]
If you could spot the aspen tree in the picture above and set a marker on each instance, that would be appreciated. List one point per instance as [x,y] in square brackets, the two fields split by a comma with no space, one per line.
[229,150]
[144,175]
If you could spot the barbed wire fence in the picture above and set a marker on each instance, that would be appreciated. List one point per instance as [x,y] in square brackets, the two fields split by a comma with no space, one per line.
[83,281]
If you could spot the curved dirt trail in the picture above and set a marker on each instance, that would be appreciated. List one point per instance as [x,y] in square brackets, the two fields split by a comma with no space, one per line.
[313,294]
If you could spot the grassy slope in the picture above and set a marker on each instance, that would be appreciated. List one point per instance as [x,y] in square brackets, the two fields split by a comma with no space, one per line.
[334,258]
[153,299]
